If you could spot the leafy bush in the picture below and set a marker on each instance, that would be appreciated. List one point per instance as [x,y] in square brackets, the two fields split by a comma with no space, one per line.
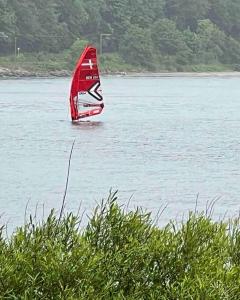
[121,255]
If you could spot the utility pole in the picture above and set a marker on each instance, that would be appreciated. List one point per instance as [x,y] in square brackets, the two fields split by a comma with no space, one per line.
[15,46]
[3,36]
[101,40]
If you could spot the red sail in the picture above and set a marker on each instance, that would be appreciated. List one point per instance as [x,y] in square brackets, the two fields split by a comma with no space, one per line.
[86,87]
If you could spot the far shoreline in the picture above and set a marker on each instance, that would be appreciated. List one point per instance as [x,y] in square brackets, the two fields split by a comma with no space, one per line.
[179,74]
[6,73]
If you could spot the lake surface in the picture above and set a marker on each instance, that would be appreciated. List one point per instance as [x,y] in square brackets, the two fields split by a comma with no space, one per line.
[160,140]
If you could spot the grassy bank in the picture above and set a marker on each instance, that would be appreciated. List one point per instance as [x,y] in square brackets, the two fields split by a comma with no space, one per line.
[63,64]
[121,255]
[41,63]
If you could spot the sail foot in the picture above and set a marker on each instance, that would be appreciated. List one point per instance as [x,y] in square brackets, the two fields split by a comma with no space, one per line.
[90,113]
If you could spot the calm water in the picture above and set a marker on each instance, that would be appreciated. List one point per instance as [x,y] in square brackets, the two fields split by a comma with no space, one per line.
[162,140]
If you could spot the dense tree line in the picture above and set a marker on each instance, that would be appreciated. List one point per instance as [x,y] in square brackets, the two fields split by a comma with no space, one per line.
[150,33]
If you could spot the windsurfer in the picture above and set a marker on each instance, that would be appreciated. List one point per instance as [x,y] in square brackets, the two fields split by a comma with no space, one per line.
[85,90]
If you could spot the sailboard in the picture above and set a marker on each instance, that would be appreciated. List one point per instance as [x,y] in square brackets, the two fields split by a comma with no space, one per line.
[86,95]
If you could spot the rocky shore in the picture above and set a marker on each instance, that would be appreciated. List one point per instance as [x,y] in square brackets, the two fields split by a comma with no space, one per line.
[21,73]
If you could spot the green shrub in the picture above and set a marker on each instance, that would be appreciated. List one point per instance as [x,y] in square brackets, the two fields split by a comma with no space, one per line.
[121,254]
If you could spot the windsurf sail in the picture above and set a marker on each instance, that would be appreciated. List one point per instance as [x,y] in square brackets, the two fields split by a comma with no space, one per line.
[86,95]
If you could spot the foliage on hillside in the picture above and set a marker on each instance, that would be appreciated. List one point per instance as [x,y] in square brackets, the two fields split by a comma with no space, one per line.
[154,34]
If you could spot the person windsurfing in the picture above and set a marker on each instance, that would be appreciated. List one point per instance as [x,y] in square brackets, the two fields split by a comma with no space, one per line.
[86,87]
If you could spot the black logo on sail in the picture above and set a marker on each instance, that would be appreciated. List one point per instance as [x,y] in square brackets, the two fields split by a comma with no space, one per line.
[94,91]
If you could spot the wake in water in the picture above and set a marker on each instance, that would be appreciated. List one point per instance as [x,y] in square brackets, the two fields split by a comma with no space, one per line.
[87,123]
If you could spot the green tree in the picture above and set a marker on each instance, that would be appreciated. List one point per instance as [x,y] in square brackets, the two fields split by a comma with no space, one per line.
[145,13]
[73,14]
[117,19]
[27,24]
[225,14]
[7,26]
[54,35]
[167,38]
[137,47]
[186,13]
[211,42]
[232,52]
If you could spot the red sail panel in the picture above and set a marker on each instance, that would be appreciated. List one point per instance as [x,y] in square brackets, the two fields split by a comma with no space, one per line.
[86,86]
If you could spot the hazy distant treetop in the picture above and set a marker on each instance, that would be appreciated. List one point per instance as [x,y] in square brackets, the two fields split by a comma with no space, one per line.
[174,31]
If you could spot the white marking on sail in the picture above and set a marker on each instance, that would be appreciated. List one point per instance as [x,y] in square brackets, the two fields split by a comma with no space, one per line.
[85,98]
[90,64]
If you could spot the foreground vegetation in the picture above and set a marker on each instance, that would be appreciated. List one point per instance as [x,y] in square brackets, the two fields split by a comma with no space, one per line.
[173,35]
[121,255]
